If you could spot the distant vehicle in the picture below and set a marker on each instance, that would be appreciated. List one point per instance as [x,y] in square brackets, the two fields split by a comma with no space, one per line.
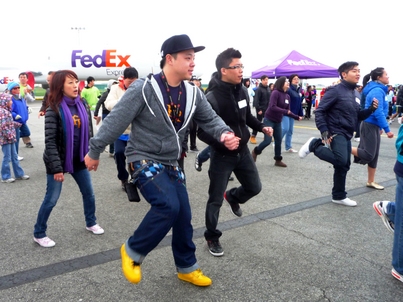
[102,64]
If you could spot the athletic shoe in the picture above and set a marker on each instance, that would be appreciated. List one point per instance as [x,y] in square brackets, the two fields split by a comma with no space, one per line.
[196,277]
[23,177]
[10,180]
[95,229]
[20,158]
[291,150]
[304,151]
[194,149]
[345,202]
[397,275]
[198,165]
[29,145]
[235,208]
[380,209]
[253,140]
[215,248]
[131,270]
[375,185]
[45,242]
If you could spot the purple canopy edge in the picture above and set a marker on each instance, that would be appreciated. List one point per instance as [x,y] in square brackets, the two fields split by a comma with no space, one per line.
[294,62]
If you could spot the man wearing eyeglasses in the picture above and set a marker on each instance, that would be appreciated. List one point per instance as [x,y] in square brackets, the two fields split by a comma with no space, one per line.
[230,100]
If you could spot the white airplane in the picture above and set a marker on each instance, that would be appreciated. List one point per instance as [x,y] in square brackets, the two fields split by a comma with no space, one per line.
[103,65]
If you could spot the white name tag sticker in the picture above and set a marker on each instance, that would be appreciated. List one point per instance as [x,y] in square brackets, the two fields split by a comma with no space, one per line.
[286,101]
[242,104]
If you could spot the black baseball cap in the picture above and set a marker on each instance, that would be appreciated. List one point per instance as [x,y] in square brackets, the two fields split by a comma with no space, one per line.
[177,44]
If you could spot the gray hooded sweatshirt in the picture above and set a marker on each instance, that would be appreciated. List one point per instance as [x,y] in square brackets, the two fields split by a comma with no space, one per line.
[153,136]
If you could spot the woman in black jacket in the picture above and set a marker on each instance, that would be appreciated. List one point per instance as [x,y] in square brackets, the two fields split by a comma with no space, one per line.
[68,128]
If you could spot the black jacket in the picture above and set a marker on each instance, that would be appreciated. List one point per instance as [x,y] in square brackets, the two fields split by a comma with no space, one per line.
[231,103]
[261,98]
[55,148]
[101,102]
[339,110]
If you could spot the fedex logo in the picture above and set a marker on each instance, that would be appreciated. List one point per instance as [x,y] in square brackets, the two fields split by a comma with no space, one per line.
[5,80]
[108,58]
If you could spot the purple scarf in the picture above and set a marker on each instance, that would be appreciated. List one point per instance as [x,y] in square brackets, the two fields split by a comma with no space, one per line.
[68,128]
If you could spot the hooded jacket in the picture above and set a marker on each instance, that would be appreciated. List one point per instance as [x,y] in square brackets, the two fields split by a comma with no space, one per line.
[153,136]
[20,108]
[377,90]
[231,103]
[7,129]
[339,110]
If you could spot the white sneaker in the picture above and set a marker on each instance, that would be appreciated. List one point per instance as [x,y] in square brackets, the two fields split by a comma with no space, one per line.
[304,151]
[291,150]
[397,275]
[345,202]
[10,180]
[45,242]
[95,229]
[23,177]
[20,158]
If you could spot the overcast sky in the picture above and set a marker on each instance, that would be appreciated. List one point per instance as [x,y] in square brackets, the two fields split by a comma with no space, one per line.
[330,32]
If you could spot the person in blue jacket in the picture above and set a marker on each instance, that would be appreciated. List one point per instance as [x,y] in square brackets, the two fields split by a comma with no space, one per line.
[287,123]
[391,212]
[336,118]
[367,151]
[19,111]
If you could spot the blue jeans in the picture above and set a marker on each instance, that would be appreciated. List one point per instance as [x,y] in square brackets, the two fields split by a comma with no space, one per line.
[204,155]
[287,125]
[221,167]
[339,157]
[395,214]
[120,159]
[53,190]
[10,155]
[164,189]
[277,135]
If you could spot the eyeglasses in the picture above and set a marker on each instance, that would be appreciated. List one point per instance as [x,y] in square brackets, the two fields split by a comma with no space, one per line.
[235,67]
[16,88]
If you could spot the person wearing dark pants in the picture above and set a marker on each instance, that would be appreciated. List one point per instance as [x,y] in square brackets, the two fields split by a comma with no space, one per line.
[230,100]
[120,159]
[279,106]
[260,102]
[221,167]
[336,118]
[159,108]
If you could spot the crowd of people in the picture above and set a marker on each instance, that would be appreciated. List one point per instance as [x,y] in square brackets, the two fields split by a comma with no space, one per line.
[150,159]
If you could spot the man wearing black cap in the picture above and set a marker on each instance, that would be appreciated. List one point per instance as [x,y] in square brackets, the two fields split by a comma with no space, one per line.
[159,109]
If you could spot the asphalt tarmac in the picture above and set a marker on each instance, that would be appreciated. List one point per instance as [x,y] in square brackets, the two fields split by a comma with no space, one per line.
[291,244]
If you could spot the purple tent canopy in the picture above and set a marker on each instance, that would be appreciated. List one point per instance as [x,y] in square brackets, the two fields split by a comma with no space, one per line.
[295,62]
